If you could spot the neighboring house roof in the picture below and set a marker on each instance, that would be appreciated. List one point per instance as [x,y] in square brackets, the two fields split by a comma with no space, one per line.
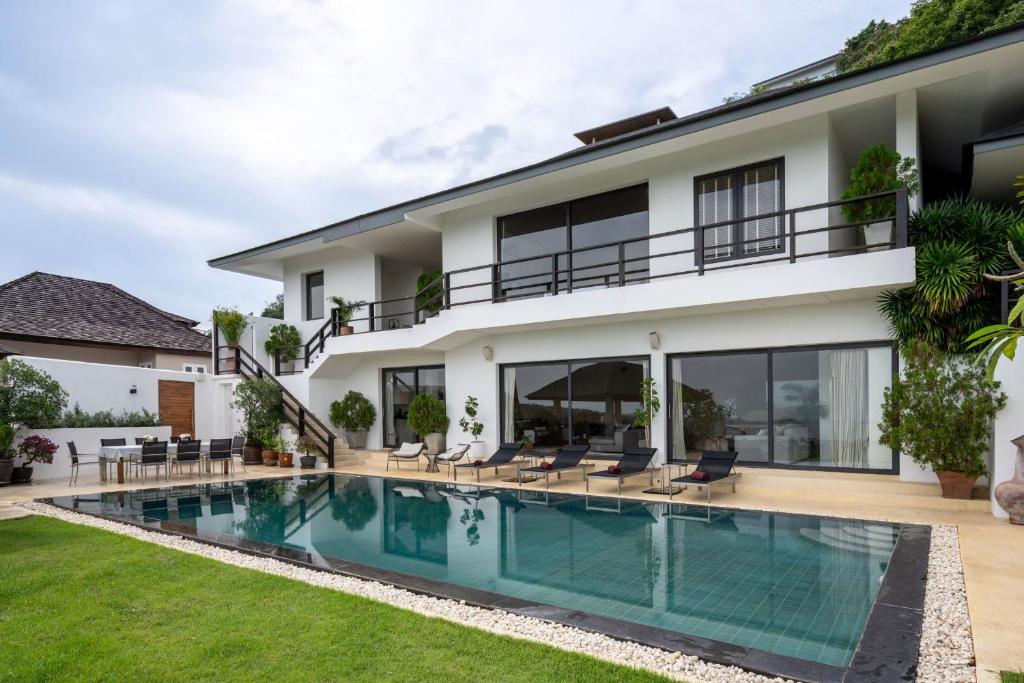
[4,352]
[59,309]
[666,130]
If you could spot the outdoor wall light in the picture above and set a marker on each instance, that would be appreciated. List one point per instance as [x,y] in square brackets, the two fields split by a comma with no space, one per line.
[488,353]
[133,389]
[655,340]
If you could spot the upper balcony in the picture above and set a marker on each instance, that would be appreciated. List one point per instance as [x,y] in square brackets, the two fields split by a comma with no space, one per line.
[808,253]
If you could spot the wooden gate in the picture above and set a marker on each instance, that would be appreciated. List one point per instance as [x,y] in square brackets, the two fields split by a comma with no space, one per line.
[177,401]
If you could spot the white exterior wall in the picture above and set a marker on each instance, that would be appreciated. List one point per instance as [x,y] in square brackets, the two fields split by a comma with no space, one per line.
[348,273]
[908,136]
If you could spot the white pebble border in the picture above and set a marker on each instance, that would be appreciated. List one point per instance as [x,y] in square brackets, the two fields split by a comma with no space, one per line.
[946,648]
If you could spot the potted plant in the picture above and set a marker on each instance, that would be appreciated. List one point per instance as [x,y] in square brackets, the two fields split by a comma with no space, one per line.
[649,407]
[231,325]
[940,413]
[7,433]
[343,312]
[355,414]
[33,448]
[269,453]
[428,417]
[305,446]
[284,454]
[283,342]
[474,427]
[879,169]
[259,401]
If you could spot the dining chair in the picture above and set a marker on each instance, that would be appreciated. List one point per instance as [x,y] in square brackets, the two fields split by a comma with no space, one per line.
[237,444]
[77,462]
[139,440]
[220,451]
[154,454]
[188,454]
[113,442]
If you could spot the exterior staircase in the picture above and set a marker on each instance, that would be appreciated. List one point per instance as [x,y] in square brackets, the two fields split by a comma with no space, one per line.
[343,455]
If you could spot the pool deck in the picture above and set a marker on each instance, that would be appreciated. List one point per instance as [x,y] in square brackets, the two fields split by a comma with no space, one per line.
[992,550]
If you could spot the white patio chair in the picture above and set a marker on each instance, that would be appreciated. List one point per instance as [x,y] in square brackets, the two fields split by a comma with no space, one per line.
[453,455]
[407,451]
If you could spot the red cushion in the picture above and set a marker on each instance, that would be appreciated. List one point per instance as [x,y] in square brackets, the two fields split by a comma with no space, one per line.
[547,465]
[614,469]
[477,463]
[699,475]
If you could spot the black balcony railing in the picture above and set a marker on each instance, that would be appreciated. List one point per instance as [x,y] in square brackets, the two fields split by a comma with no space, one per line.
[635,260]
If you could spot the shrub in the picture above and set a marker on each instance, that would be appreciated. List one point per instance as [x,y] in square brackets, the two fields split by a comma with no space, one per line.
[231,324]
[940,411]
[77,418]
[427,415]
[285,340]
[878,169]
[353,412]
[262,409]
[7,433]
[29,397]
[36,448]
[346,309]
[275,308]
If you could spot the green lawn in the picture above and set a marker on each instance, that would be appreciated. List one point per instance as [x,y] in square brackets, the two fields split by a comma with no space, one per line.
[78,603]
[1011,677]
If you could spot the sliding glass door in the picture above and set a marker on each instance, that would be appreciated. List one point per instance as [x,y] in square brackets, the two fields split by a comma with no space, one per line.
[815,407]
[582,402]
[400,385]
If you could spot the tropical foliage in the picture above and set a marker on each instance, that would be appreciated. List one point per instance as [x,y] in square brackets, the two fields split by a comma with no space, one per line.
[346,309]
[940,411]
[958,241]
[83,419]
[428,415]
[275,308]
[650,404]
[354,411]
[879,169]
[931,24]
[29,397]
[469,422]
[284,340]
[262,411]
[231,324]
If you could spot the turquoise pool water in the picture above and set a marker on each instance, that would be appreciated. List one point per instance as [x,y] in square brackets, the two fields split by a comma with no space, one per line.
[793,585]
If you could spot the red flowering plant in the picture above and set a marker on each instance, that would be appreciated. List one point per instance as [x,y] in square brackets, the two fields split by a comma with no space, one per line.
[36,448]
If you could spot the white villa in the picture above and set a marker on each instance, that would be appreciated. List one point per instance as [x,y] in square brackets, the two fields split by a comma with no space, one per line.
[707,251]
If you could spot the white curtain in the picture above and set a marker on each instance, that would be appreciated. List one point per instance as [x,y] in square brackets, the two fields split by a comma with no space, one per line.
[678,435]
[389,410]
[849,405]
[508,428]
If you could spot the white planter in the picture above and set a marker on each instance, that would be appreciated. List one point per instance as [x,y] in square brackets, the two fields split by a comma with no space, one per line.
[878,234]
[435,442]
[287,366]
[477,450]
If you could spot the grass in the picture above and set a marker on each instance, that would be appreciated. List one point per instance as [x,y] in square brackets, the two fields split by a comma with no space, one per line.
[1011,677]
[78,603]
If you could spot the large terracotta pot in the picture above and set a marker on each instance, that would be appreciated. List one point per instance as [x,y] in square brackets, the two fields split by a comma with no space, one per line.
[956,484]
[345,330]
[252,455]
[227,363]
[269,457]
[284,459]
[1009,494]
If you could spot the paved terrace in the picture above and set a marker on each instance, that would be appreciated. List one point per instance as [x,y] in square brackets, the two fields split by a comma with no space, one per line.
[991,548]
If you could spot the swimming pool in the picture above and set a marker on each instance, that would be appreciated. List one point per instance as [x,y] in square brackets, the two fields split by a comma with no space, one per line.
[794,586]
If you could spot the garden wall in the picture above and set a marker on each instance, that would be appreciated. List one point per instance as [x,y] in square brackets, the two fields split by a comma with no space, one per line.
[87,441]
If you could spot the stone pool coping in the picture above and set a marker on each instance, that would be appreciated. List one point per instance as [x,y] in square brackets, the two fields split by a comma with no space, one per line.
[888,648]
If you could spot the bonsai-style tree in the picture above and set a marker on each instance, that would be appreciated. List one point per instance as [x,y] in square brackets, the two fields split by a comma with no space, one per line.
[284,340]
[262,412]
[469,422]
[428,415]
[649,407]
[29,398]
[940,412]
[36,448]
[231,324]
[878,169]
[353,412]
[346,309]
[305,445]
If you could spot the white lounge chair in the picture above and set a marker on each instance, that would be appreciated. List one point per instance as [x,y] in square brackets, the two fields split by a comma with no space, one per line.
[453,455]
[407,451]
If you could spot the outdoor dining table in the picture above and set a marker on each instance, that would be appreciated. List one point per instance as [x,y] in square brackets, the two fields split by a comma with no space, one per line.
[123,454]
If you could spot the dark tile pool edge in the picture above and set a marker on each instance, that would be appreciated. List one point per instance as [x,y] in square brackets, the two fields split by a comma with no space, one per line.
[887,650]
[890,644]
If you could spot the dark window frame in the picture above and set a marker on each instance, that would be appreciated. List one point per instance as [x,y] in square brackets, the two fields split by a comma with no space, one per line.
[768,352]
[566,205]
[568,364]
[306,294]
[737,207]
[415,369]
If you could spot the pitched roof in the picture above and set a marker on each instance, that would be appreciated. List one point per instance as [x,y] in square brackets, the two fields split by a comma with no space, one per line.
[4,352]
[62,308]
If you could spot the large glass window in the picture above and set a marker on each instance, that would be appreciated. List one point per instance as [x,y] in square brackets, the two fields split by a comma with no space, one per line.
[582,402]
[816,408]
[739,193]
[591,221]
[314,296]
[400,386]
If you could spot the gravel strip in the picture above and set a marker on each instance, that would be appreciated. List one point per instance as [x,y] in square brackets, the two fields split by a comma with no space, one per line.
[947,648]
[946,654]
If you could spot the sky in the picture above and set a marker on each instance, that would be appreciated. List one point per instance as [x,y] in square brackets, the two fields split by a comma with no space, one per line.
[139,139]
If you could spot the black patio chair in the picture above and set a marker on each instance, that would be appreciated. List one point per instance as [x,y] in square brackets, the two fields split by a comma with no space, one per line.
[77,462]
[502,457]
[139,440]
[568,458]
[220,451]
[714,466]
[154,454]
[634,461]
[188,454]
[113,442]
[237,444]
